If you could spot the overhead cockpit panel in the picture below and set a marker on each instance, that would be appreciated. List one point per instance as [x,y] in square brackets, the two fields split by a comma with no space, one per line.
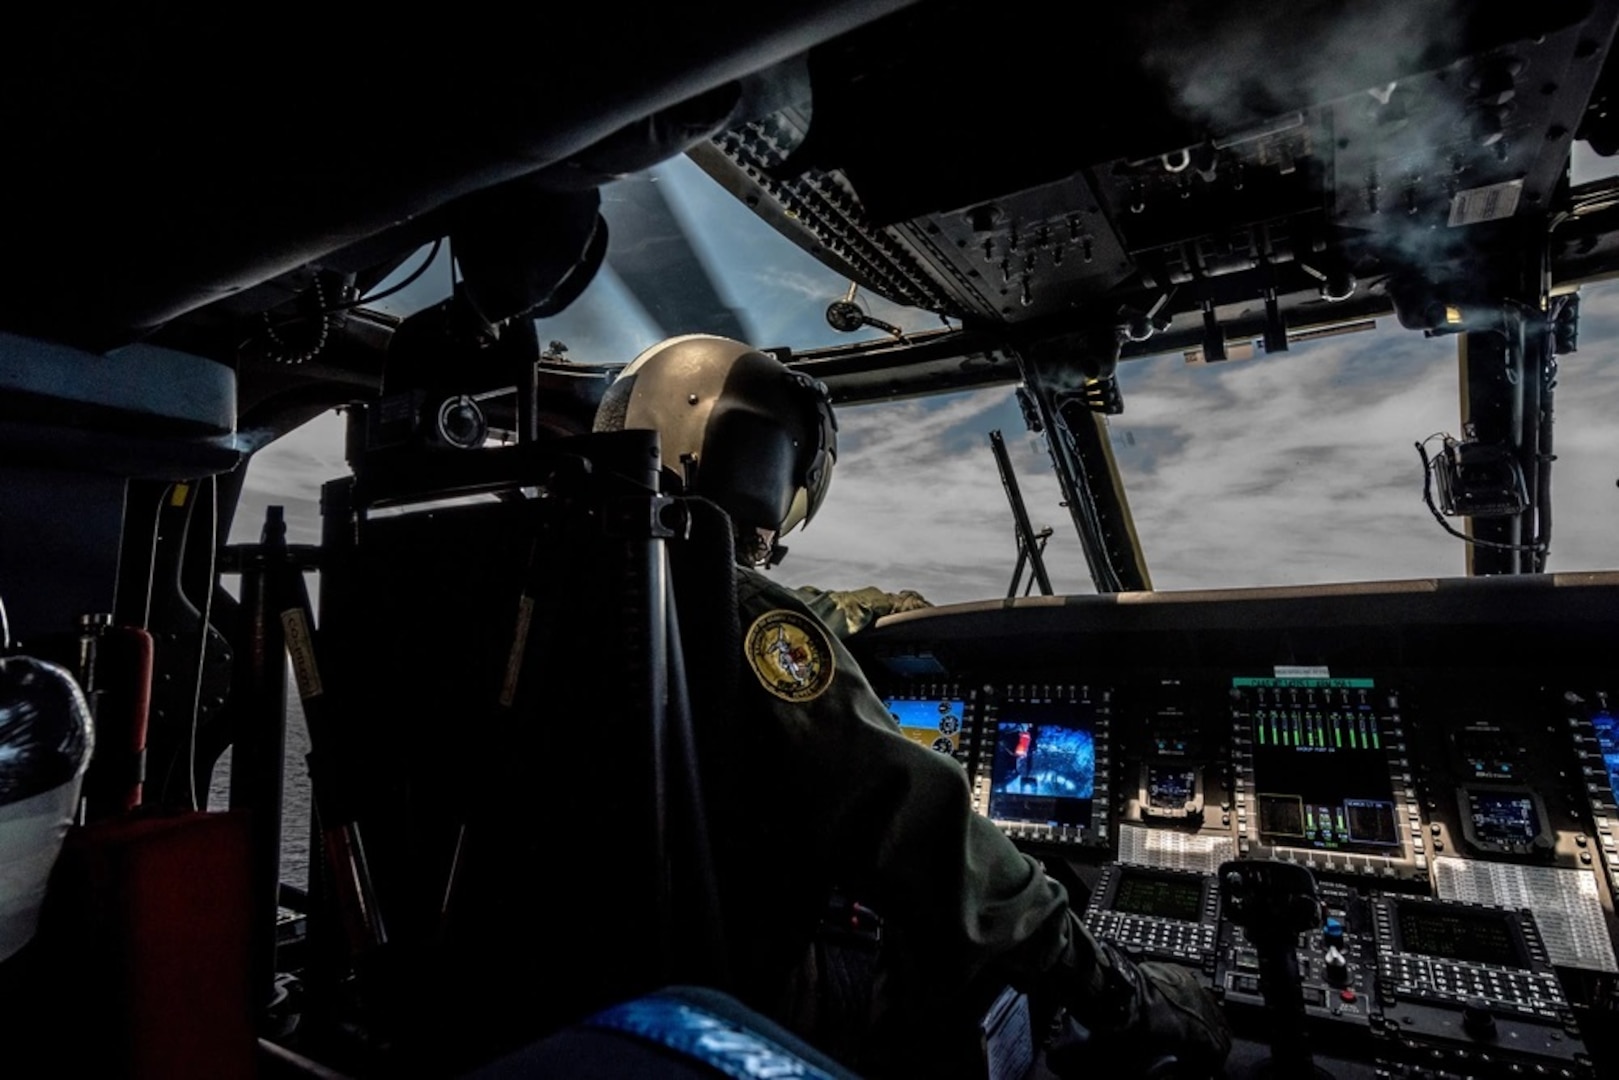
[1182,167]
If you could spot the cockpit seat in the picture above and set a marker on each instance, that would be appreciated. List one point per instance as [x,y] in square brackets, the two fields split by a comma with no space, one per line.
[574,639]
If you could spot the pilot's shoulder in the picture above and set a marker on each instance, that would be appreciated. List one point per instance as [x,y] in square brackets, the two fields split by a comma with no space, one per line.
[757,594]
[753,585]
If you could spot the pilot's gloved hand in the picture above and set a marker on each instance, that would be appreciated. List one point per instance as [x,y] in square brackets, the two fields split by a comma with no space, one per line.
[847,612]
[1143,1015]
[909,600]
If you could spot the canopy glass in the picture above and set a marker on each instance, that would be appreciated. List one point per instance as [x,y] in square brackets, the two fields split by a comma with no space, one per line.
[1297,468]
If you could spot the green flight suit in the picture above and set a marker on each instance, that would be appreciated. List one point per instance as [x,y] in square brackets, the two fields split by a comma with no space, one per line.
[828,793]
[846,799]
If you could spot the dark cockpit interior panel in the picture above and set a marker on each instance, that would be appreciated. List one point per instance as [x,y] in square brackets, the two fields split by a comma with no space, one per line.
[1376,818]
[1448,783]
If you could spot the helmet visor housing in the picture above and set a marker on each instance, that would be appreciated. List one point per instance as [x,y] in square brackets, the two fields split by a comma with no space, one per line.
[754,436]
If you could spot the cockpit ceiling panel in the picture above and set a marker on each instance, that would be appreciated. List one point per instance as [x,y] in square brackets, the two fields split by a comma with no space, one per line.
[1027,254]
[961,163]
[949,104]
[160,160]
[985,161]
[1022,256]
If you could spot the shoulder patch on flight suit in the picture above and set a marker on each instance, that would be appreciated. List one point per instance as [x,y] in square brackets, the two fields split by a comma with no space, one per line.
[791,655]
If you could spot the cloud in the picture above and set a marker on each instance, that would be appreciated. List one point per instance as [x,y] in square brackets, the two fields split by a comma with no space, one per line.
[1585,496]
[1303,470]
[1298,468]
[917,503]
[810,288]
[289,473]
[1288,469]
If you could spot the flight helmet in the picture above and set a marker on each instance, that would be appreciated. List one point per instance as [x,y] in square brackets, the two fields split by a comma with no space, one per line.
[742,429]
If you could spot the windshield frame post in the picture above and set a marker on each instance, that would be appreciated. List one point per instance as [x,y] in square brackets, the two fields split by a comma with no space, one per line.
[1087,473]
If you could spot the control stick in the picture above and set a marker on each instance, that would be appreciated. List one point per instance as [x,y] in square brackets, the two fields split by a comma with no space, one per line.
[1274,902]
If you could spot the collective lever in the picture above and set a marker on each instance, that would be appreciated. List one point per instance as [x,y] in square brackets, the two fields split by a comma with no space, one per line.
[1274,902]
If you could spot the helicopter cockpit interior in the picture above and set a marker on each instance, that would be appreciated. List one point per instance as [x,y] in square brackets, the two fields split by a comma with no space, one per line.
[1376,818]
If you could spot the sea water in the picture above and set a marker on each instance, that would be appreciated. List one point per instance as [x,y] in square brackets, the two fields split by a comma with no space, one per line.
[295,796]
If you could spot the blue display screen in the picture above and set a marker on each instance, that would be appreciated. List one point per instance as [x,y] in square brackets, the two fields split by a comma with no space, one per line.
[1503,817]
[1044,768]
[1170,788]
[1606,726]
[934,722]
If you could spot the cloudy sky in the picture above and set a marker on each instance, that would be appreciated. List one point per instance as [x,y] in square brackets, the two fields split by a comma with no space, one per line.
[1293,469]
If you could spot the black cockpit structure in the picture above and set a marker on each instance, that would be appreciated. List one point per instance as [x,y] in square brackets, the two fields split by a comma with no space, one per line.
[203,216]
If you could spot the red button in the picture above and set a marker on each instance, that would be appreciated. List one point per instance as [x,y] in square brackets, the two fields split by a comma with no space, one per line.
[1347,995]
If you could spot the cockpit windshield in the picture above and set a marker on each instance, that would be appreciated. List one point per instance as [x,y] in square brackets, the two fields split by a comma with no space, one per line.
[1289,469]
[687,257]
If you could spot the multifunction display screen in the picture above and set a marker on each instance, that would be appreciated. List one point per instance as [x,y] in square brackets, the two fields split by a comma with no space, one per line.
[934,722]
[1468,935]
[1170,787]
[1503,817]
[1606,726]
[1044,765]
[1321,773]
[1160,895]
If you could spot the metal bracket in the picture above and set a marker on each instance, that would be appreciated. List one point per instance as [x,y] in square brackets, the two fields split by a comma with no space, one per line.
[651,517]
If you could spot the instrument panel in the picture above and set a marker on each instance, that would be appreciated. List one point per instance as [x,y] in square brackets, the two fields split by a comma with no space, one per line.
[1462,844]
[1459,822]
[1323,776]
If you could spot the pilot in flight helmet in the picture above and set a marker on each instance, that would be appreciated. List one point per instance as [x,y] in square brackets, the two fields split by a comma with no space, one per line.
[745,432]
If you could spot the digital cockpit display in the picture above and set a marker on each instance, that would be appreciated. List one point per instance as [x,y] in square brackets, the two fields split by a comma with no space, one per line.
[1503,817]
[1158,894]
[936,723]
[1170,787]
[1606,725]
[1466,934]
[1044,764]
[1321,774]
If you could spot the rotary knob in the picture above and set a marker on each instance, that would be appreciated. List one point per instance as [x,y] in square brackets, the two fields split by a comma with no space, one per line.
[1477,1020]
